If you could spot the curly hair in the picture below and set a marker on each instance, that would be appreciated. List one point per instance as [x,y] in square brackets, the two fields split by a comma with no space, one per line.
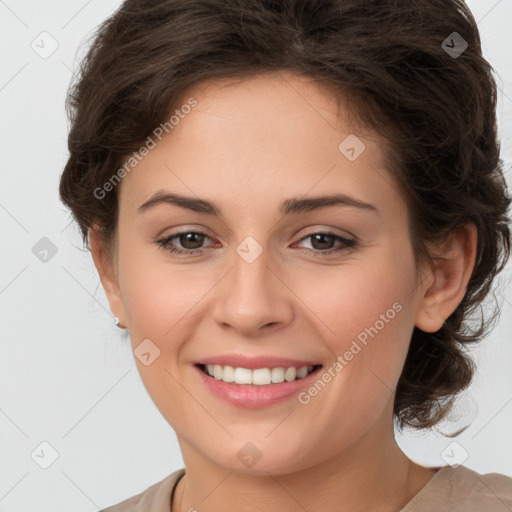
[405,71]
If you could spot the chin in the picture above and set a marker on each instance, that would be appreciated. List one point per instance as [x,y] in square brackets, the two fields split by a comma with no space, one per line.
[251,460]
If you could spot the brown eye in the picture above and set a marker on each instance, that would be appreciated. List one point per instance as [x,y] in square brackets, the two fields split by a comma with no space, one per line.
[325,243]
[321,241]
[191,240]
[186,242]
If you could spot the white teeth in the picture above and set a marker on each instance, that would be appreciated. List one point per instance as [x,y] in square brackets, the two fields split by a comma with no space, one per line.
[290,374]
[243,376]
[217,371]
[229,374]
[277,375]
[302,372]
[259,376]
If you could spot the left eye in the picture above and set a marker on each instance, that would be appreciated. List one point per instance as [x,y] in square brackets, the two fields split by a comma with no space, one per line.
[327,239]
[192,242]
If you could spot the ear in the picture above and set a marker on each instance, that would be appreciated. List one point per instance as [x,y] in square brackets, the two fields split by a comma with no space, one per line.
[105,265]
[453,263]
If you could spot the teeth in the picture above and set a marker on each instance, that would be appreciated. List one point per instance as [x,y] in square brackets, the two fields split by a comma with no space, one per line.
[243,376]
[258,377]
[217,371]
[277,375]
[261,376]
[290,374]
[228,374]
[302,372]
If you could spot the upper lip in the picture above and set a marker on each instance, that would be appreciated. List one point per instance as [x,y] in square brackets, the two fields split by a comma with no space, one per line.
[240,361]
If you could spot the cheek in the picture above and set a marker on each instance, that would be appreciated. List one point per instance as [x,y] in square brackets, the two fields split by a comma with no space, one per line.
[158,295]
[351,299]
[366,317]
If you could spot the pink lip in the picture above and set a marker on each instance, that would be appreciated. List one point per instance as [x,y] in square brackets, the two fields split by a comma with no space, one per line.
[252,396]
[252,363]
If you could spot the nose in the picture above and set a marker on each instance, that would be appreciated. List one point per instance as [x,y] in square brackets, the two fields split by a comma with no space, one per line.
[254,298]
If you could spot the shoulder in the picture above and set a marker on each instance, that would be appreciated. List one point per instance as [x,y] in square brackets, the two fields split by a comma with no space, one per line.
[156,498]
[464,490]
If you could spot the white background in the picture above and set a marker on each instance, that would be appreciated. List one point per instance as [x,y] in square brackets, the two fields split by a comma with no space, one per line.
[67,376]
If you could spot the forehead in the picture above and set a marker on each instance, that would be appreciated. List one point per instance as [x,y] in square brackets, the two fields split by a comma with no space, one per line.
[282,106]
[250,140]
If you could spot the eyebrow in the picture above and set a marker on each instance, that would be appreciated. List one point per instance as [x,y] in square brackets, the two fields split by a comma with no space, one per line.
[292,205]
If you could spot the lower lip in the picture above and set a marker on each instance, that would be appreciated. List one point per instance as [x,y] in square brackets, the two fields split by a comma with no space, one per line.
[252,396]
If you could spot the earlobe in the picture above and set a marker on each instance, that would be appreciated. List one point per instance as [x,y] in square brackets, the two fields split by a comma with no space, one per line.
[453,264]
[105,266]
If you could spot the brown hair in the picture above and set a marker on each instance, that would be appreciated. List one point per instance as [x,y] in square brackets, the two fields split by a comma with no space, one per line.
[399,66]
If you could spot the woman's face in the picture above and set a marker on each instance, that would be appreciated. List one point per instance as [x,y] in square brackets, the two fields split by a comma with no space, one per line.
[257,283]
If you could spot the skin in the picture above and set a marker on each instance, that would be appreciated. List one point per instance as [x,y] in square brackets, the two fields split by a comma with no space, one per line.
[247,146]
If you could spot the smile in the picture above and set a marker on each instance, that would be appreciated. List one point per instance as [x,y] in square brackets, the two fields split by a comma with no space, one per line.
[258,376]
[258,387]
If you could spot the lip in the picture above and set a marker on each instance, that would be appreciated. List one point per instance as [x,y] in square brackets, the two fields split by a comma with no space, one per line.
[255,362]
[250,396]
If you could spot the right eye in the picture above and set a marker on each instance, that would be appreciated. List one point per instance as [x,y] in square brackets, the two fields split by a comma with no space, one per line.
[185,238]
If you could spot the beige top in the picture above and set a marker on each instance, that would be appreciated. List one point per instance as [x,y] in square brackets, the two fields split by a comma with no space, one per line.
[449,490]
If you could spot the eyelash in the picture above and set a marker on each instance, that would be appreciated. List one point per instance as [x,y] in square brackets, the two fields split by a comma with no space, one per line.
[346,243]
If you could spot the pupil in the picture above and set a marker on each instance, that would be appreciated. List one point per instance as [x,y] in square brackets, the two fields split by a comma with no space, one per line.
[189,237]
[320,237]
